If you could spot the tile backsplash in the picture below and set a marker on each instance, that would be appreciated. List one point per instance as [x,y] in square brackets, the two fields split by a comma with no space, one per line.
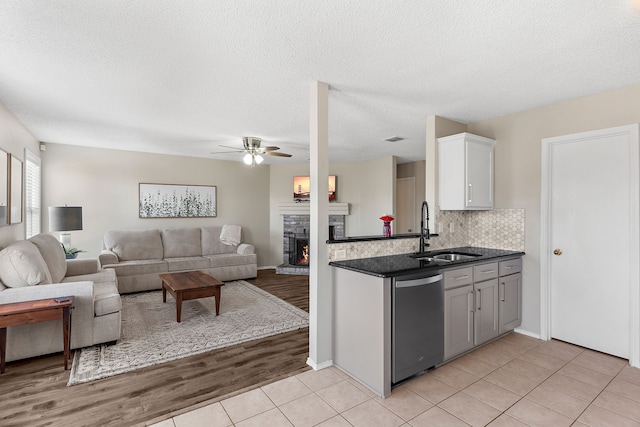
[497,229]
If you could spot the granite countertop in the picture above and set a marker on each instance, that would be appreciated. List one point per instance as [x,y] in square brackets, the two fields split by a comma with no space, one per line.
[402,264]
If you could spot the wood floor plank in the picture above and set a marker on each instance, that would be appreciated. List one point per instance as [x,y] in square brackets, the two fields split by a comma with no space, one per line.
[35,392]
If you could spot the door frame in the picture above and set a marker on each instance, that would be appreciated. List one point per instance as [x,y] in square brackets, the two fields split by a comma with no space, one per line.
[412,179]
[632,131]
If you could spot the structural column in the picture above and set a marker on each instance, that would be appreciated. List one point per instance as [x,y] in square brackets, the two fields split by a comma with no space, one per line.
[320,288]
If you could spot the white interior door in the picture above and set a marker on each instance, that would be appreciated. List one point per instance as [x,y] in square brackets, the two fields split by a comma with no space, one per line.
[592,238]
[406,206]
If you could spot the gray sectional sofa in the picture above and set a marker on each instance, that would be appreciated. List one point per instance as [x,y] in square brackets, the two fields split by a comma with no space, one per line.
[138,257]
[37,269]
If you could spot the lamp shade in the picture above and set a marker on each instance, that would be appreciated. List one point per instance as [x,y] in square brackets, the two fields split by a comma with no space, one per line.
[65,218]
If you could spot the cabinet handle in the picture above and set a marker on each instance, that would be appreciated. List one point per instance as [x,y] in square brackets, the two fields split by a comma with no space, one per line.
[470,192]
[469,316]
[504,291]
[466,276]
[479,301]
[508,267]
[487,271]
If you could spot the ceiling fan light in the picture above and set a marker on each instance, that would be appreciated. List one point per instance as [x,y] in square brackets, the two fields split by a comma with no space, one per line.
[247,159]
[259,159]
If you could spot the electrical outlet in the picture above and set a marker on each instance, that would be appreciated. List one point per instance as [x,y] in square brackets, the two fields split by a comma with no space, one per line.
[452,227]
[340,254]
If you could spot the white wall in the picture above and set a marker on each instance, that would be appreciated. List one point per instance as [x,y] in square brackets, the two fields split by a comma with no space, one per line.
[368,187]
[105,183]
[14,138]
[518,163]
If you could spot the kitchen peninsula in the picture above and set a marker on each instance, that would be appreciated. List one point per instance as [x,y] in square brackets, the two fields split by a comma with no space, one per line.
[397,315]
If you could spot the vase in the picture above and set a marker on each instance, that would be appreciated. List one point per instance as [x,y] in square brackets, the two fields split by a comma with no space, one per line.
[386,229]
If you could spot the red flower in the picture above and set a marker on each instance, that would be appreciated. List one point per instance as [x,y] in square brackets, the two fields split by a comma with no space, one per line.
[387,218]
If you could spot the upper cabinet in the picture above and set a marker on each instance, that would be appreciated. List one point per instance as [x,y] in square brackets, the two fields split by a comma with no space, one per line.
[465,172]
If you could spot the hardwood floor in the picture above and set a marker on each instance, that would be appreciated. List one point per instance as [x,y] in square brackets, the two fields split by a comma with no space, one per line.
[34,392]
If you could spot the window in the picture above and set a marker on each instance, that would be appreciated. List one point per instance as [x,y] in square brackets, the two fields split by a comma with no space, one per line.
[32,194]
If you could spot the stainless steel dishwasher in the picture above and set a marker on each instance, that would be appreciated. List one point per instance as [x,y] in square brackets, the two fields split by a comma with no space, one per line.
[417,324]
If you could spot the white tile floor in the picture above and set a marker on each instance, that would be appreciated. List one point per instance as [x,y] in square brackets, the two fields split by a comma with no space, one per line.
[514,381]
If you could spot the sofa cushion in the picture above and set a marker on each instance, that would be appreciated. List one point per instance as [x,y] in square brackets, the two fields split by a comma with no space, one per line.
[106,301]
[211,244]
[132,268]
[22,265]
[226,260]
[181,242]
[187,263]
[53,255]
[132,245]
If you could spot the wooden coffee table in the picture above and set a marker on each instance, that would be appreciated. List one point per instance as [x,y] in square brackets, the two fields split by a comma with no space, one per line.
[42,310]
[190,285]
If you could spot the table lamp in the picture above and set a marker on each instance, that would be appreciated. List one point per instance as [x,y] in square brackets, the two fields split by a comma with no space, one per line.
[65,219]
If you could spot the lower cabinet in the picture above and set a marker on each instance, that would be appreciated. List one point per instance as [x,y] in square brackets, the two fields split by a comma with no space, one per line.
[480,304]
[510,302]
[485,319]
[458,320]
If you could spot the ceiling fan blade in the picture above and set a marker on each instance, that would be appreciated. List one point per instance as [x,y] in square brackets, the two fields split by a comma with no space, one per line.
[270,148]
[273,153]
[227,152]
[233,148]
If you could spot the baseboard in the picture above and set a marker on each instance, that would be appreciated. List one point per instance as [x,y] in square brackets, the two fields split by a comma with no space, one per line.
[319,366]
[527,333]
[266,267]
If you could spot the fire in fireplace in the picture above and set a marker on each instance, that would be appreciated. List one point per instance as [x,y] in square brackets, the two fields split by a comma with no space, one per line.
[302,252]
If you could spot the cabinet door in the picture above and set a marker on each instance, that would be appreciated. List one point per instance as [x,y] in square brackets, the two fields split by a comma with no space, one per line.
[510,302]
[458,320]
[486,311]
[479,173]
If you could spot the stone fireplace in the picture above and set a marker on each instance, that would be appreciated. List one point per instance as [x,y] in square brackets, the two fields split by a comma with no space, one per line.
[295,244]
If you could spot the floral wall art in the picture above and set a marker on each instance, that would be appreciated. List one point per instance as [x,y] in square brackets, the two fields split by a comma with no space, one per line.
[177,201]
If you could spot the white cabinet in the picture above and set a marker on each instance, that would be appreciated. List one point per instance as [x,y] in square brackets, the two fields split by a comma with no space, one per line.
[465,172]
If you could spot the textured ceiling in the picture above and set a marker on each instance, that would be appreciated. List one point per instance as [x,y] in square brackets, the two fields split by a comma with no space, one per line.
[182,77]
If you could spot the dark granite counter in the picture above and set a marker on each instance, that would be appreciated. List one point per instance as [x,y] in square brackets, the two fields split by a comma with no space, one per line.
[400,265]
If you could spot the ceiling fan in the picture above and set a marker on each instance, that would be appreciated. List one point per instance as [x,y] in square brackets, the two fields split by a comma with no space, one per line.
[253,151]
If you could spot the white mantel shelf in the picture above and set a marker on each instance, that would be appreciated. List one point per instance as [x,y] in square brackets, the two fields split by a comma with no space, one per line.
[304,208]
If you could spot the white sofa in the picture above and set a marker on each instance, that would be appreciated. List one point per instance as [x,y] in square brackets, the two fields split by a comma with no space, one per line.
[138,257]
[37,269]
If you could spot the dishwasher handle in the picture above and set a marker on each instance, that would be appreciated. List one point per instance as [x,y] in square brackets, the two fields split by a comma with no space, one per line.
[418,282]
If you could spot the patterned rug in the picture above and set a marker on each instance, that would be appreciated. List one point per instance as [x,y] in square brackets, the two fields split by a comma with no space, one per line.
[151,335]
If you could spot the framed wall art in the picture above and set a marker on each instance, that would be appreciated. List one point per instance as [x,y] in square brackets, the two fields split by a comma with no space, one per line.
[4,188]
[15,192]
[177,201]
[302,185]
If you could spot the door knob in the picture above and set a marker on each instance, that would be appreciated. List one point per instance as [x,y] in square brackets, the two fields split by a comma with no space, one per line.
[557,252]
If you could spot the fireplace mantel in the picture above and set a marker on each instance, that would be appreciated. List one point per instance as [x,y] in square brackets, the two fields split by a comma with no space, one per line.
[304,208]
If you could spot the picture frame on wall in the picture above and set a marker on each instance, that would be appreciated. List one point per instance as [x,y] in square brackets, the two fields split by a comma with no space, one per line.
[15,193]
[302,188]
[4,188]
[177,201]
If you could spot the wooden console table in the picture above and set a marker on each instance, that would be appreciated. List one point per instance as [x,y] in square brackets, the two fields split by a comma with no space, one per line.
[22,313]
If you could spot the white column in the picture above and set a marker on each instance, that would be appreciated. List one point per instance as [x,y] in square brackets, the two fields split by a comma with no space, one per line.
[320,288]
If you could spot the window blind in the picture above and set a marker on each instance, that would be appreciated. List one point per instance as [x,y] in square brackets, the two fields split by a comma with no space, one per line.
[32,194]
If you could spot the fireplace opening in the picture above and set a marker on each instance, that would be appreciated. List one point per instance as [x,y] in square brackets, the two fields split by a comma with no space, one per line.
[301,255]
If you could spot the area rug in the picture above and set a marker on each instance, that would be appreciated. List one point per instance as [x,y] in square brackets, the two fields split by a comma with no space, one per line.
[151,335]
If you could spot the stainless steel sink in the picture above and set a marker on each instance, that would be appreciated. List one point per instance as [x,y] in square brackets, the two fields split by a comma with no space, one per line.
[453,256]
[430,259]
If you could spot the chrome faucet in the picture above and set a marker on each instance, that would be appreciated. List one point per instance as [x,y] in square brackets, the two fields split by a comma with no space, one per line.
[424,228]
